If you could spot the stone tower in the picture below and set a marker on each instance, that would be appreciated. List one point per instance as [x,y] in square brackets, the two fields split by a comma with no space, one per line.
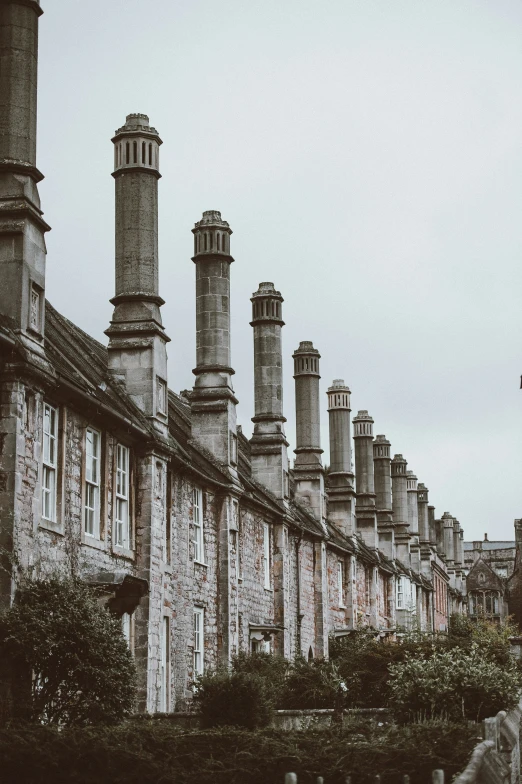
[269,444]
[213,402]
[365,511]
[383,494]
[341,491]
[137,340]
[22,228]
[308,466]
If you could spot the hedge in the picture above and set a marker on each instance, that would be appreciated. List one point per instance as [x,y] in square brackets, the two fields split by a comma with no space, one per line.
[154,752]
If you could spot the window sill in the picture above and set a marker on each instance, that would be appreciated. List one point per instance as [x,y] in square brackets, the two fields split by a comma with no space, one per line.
[342,607]
[91,541]
[123,552]
[49,525]
[270,590]
[201,563]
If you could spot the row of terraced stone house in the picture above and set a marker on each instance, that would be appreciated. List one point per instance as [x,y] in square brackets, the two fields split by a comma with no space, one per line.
[205,541]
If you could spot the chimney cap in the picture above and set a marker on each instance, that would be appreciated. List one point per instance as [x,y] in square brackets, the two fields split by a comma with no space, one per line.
[422,486]
[363,415]
[267,289]
[137,123]
[485,537]
[306,347]
[212,218]
[339,385]
[399,459]
[381,440]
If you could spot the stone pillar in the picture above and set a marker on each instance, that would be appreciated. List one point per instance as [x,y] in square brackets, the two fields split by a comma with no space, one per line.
[213,402]
[320,600]
[447,522]
[137,340]
[431,525]
[383,495]
[413,512]
[22,228]
[341,492]
[400,508]
[282,599]
[426,552]
[308,467]
[423,513]
[439,530]
[365,511]
[268,444]
[22,287]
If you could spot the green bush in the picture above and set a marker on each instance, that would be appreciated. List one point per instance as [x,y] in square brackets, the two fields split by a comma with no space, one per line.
[238,699]
[312,684]
[272,669]
[147,752]
[68,660]
[364,662]
[453,684]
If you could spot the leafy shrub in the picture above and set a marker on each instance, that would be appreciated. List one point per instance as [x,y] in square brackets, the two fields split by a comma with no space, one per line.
[238,699]
[312,684]
[453,684]
[66,654]
[364,662]
[272,669]
[147,752]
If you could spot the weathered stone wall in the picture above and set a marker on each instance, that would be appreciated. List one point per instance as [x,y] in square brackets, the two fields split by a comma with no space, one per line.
[337,612]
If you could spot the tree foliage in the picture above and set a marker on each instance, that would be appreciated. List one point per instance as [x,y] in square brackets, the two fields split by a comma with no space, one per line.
[67,654]
[452,684]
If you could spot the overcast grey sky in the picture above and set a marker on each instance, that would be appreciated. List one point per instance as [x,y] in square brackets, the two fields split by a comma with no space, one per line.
[367,155]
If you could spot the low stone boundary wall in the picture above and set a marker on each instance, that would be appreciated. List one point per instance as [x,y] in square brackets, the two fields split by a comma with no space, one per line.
[282,719]
[496,760]
[302,719]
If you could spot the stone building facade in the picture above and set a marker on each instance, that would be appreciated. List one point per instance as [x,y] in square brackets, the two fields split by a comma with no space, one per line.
[205,541]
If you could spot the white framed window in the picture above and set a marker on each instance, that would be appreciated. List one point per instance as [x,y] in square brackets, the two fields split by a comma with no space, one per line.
[121,516]
[197,506]
[400,592]
[127,627]
[92,483]
[199,642]
[413,598]
[49,462]
[340,583]
[161,396]
[266,554]
[165,666]
[35,308]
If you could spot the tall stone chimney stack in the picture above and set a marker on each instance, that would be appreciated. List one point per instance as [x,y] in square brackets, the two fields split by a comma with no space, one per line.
[449,549]
[365,510]
[137,340]
[423,513]
[213,402]
[413,520]
[383,494]
[431,525]
[341,491]
[400,508]
[269,444]
[22,228]
[308,467]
